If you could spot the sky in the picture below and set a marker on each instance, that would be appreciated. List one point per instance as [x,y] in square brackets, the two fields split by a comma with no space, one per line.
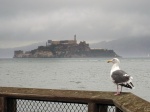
[23,22]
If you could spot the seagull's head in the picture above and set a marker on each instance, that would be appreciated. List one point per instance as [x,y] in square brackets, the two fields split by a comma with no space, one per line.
[114,61]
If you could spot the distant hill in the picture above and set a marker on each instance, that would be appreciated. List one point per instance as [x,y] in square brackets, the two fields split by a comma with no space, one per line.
[9,52]
[127,47]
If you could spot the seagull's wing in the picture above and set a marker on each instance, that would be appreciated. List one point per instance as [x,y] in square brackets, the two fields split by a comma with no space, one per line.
[120,76]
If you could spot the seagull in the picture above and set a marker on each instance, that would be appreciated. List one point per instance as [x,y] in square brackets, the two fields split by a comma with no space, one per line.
[119,77]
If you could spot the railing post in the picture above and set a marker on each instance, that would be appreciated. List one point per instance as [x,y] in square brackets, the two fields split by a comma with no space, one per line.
[11,105]
[117,109]
[93,107]
[2,104]
[103,108]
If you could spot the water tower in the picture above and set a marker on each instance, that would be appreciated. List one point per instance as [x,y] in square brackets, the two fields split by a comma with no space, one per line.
[75,39]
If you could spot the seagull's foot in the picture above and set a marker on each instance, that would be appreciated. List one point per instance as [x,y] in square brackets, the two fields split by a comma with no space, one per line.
[118,93]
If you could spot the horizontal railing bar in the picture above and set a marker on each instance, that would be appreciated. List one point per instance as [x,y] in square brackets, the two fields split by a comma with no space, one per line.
[58,95]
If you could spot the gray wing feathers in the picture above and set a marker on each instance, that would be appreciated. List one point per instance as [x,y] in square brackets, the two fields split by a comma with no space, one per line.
[119,76]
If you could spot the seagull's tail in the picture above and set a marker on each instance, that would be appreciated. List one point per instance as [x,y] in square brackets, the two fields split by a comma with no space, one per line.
[128,84]
[132,85]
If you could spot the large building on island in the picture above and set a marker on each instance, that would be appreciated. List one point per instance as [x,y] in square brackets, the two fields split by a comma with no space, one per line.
[51,42]
[65,49]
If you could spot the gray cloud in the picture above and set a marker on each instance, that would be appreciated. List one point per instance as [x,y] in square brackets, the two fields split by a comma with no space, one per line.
[28,21]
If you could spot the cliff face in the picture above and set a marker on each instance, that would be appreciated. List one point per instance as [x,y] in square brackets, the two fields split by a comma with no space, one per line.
[36,54]
[65,51]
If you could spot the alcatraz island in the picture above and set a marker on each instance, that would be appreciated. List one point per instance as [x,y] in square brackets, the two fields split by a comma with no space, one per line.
[65,49]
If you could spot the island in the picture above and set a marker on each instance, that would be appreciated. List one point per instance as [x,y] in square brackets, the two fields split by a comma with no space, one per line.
[65,49]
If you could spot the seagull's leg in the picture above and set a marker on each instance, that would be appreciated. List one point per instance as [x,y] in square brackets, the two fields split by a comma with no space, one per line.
[117,93]
[121,90]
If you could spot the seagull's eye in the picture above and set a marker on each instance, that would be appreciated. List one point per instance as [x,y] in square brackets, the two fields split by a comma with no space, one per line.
[113,60]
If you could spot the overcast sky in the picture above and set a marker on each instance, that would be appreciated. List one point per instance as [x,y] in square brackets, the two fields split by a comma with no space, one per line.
[24,22]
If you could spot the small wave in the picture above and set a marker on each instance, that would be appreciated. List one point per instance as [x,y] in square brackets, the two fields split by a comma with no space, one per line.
[82,87]
[78,82]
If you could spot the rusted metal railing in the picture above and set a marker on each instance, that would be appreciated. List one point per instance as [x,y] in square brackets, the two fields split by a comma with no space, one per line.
[49,100]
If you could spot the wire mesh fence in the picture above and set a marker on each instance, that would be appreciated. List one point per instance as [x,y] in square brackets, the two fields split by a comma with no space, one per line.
[23,105]
[113,109]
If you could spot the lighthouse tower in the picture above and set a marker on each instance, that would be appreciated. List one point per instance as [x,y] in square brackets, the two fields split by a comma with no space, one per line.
[75,39]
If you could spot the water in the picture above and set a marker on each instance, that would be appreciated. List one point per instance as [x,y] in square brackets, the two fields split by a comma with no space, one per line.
[73,74]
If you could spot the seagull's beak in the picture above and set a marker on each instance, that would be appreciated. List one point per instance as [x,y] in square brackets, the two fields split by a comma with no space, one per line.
[109,61]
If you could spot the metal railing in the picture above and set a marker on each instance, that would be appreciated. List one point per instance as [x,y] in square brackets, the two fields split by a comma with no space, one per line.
[47,100]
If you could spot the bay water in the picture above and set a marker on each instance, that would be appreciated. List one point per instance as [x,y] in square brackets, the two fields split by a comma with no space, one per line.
[73,74]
